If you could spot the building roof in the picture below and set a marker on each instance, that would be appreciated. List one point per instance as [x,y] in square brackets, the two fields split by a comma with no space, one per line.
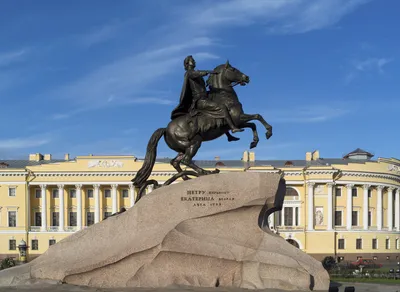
[358,151]
[274,163]
[24,163]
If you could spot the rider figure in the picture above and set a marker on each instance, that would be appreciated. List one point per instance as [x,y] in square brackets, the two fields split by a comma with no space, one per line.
[195,83]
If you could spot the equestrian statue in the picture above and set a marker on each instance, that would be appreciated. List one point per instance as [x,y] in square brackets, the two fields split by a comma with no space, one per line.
[201,115]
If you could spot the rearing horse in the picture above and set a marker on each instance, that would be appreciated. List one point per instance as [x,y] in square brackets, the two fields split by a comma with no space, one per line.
[185,134]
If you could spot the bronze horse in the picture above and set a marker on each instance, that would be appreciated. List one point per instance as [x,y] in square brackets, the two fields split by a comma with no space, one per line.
[186,133]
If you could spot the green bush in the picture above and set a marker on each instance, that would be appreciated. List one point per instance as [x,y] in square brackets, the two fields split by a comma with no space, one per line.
[7,263]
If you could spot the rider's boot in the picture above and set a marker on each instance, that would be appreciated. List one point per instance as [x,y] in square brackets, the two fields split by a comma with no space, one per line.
[230,123]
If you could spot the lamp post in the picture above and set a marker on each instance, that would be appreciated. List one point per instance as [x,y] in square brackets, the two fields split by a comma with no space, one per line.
[22,251]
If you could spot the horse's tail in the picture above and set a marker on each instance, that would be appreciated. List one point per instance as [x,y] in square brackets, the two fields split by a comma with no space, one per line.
[143,174]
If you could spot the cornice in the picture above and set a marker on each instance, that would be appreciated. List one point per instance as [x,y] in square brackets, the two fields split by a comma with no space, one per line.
[13,173]
[98,173]
[372,175]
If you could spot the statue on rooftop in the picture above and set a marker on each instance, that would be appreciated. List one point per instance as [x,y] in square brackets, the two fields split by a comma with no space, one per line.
[200,116]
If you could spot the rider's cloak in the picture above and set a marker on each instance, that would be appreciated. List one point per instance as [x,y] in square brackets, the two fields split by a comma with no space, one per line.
[185,100]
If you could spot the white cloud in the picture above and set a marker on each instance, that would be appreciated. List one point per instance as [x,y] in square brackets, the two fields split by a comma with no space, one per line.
[7,58]
[124,80]
[283,16]
[366,66]
[307,114]
[19,143]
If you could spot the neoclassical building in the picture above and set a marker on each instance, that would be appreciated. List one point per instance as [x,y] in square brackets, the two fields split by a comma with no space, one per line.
[346,207]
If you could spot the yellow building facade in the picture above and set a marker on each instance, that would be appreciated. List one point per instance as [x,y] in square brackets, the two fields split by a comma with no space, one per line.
[345,207]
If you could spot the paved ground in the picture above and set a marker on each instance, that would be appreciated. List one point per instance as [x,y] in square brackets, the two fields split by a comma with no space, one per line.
[359,287]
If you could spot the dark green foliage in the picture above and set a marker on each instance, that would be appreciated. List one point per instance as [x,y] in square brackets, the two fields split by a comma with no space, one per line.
[7,263]
[329,263]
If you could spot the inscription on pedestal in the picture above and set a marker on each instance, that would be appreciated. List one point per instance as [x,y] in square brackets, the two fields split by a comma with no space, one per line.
[202,198]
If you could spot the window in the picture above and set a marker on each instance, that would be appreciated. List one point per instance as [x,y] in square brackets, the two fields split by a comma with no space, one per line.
[38,219]
[354,218]
[12,244]
[374,243]
[12,192]
[55,193]
[12,218]
[278,218]
[107,214]
[341,243]
[369,218]
[72,193]
[397,243]
[338,218]
[89,218]
[52,242]
[125,193]
[288,220]
[291,192]
[358,243]
[369,193]
[38,193]
[72,219]
[296,217]
[354,192]
[387,243]
[35,244]
[107,193]
[338,192]
[90,193]
[55,219]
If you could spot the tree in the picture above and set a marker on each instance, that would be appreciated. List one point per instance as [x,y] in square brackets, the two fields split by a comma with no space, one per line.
[329,263]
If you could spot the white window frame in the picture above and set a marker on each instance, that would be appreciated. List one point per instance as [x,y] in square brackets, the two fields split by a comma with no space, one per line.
[16,219]
[55,190]
[32,244]
[362,244]
[69,218]
[122,193]
[389,244]
[16,247]
[397,242]
[34,218]
[87,193]
[15,191]
[105,193]
[69,193]
[344,243]
[377,244]
[358,218]
[341,218]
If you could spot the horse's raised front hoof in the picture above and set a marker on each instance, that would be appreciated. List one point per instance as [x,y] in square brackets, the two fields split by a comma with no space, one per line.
[253,144]
[269,134]
[215,171]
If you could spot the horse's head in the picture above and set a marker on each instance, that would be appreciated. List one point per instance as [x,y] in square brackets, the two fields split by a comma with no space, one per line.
[227,76]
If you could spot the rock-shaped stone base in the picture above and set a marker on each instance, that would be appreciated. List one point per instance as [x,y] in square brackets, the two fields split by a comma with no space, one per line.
[204,232]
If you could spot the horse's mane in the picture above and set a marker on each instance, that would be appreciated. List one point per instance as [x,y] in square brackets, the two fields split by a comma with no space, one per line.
[211,78]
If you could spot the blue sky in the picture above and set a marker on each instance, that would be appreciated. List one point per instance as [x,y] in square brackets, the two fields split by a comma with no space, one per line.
[99,76]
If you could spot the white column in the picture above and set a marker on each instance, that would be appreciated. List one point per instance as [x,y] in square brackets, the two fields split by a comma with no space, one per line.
[61,207]
[365,206]
[349,206]
[96,194]
[271,218]
[79,206]
[379,208]
[310,223]
[150,188]
[114,198]
[390,209]
[397,210]
[132,194]
[283,216]
[294,216]
[330,205]
[44,207]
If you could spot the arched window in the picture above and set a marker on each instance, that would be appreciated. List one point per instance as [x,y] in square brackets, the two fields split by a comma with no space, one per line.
[291,192]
